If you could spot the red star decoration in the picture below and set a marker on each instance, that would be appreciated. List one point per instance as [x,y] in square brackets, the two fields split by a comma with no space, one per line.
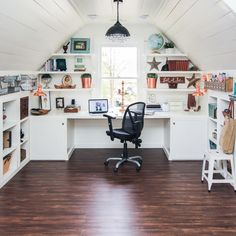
[154,64]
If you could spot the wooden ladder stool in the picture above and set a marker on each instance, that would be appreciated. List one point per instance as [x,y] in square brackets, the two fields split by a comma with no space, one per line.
[217,163]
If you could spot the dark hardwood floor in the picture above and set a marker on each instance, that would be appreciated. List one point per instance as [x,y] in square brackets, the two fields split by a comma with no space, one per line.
[82,197]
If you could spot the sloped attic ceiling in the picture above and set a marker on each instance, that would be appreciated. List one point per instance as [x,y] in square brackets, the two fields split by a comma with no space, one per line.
[31,30]
[204,29]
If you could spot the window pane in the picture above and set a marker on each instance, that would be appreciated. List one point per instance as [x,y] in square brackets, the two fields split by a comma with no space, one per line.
[112,88]
[119,62]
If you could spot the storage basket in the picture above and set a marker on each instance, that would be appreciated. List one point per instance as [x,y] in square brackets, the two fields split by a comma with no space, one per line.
[6,163]
[178,65]
[224,86]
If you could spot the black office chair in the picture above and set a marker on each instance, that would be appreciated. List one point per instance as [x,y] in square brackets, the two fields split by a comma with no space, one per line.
[132,125]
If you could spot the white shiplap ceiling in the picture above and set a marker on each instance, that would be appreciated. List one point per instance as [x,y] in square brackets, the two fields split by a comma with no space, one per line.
[105,10]
[33,29]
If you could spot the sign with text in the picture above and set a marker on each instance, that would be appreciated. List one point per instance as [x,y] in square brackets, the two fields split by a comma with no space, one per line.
[172,80]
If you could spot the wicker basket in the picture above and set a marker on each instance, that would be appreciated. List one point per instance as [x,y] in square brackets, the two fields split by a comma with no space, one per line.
[225,86]
[6,164]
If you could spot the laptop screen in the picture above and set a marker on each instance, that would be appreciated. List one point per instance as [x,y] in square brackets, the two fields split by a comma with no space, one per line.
[96,106]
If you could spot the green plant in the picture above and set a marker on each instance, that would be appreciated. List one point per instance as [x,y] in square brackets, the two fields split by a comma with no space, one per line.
[169,45]
[151,75]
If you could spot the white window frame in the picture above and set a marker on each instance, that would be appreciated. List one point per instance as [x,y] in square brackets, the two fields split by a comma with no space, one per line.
[121,45]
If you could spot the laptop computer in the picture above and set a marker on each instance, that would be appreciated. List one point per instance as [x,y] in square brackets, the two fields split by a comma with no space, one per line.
[98,106]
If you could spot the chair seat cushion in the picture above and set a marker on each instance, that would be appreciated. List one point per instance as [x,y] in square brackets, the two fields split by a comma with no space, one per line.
[121,134]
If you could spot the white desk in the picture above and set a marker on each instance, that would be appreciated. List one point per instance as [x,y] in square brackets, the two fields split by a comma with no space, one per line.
[54,136]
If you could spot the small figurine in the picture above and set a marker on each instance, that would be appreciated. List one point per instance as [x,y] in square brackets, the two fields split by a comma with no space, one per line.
[65,47]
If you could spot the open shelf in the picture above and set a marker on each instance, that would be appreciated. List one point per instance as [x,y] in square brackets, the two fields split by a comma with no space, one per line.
[177,72]
[7,151]
[9,124]
[212,119]
[72,55]
[213,140]
[171,90]
[63,72]
[24,141]
[69,90]
[167,55]
[25,119]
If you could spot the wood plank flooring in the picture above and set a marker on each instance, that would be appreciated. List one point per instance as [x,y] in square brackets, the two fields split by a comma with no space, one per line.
[82,197]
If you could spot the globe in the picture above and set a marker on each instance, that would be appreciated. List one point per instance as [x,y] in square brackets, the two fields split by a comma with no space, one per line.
[156,41]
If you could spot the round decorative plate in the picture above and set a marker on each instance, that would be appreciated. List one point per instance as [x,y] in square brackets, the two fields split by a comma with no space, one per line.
[156,41]
[67,80]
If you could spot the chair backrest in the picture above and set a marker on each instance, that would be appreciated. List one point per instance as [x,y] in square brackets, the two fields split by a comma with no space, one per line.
[133,119]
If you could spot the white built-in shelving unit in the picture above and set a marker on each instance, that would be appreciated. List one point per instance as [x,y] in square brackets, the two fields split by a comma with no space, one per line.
[10,106]
[215,123]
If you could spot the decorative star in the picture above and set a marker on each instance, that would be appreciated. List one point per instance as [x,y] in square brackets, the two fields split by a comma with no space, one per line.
[154,64]
[193,81]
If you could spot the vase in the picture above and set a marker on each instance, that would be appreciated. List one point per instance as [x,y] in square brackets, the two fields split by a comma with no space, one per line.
[86,80]
[151,82]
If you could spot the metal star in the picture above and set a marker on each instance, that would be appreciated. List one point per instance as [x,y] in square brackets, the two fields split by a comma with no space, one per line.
[154,64]
[193,81]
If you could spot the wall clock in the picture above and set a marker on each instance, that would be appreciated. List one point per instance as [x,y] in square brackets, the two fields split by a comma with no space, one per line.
[156,41]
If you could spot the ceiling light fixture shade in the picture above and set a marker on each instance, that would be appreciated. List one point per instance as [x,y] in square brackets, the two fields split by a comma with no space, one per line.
[117,32]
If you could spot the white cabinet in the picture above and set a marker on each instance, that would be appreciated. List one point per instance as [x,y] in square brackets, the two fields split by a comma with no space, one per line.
[187,138]
[48,138]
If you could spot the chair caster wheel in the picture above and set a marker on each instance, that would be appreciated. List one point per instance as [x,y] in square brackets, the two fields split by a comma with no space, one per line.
[209,191]
[106,163]
[115,170]
[138,168]
[140,161]
[202,181]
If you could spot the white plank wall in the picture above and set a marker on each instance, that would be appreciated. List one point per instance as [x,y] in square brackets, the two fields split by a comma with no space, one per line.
[31,30]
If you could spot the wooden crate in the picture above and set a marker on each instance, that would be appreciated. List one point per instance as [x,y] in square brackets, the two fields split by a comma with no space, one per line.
[225,86]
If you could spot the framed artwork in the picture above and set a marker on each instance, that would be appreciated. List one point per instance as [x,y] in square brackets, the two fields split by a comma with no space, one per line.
[80,45]
[46,101]
[60,102]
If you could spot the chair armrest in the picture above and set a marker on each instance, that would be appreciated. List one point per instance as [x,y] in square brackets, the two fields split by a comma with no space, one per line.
[110,118]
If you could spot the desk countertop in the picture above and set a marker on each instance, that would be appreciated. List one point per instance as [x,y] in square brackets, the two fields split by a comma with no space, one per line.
[156,115]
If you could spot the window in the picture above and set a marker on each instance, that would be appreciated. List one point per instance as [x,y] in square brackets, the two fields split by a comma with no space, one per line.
[119,64]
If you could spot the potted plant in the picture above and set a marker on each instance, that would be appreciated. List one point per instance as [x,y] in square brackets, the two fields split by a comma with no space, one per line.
[152,80]
[169,47]
[86,79]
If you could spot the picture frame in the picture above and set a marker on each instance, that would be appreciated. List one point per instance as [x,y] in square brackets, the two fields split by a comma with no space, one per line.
[60,102]
[46,101]
[80,45]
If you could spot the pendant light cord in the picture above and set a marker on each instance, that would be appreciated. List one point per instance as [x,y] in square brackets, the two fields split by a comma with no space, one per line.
[118,15]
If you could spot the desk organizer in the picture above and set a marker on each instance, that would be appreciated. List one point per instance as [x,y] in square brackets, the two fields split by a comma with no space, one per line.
[224,86]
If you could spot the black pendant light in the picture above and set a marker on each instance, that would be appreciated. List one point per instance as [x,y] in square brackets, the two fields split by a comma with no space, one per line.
[117,32]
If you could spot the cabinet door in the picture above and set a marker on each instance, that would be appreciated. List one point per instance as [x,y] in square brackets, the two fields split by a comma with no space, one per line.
[48,138]
[188,138]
